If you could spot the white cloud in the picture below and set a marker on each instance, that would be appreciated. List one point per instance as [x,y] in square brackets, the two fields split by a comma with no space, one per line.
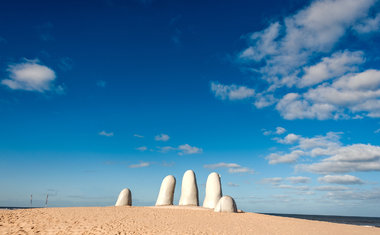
[240,170]
[286,47]
[273,180]
[142,148]
[162,137]
[354,92]
[231,92]
[104,133]
[232,167]
[31,75]
[187,149]
[315,146]
[276,158]
[331,188]
[221,165]
[65,63]
[232,184]
[166,149]
[292,106]
[337,157]
[368,25]
[351,158]
[373,195]
[293,187]
[264,43]
[138,136]
[299,179]
[338,64]
[340,179]
[140,165]
[266,132]
[288,139]
[264,100]
[184,149]
[280,130]
[298,54]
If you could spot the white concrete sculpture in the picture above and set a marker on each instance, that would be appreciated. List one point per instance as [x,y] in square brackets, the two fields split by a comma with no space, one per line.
[125,198]
[213,190]
[226,204]
[166,194]
[189,190]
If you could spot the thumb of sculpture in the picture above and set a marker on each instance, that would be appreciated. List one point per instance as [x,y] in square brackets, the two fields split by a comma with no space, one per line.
[189,190]
[213,190]
[226,204]
[125,198]
[166,194]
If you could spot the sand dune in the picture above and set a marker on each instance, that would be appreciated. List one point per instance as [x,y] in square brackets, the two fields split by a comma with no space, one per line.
[161,220]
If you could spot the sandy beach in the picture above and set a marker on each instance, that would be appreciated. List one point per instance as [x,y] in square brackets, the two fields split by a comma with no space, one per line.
[160,220]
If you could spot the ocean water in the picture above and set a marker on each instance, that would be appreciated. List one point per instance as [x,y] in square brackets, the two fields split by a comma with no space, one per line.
[15,208]
[355,220]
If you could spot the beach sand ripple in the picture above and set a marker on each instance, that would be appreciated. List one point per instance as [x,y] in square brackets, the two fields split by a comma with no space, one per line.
[161,220]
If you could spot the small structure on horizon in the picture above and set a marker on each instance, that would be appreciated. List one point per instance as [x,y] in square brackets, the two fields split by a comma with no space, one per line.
[46,202]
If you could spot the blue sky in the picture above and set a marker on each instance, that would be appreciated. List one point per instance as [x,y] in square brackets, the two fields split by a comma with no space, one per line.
[281,99]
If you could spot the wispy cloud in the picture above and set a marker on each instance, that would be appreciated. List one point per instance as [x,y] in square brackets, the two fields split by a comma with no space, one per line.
[362,195]
[165,149]
[289,139]
[187,149]
[368,25]
[168,164]
[232,184]
[315,146]
[293,187]
[273,180]
[108,134]
[337,158]
[184,149]
[65,64]
[138,136]
[232,167]
[340,179]
[31,75]
[351,158]
[231,92]
[142,148]
[162,137]
[279,131]
[44,31]
[140,165]
[331,188]
[299,179]
[276,158]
